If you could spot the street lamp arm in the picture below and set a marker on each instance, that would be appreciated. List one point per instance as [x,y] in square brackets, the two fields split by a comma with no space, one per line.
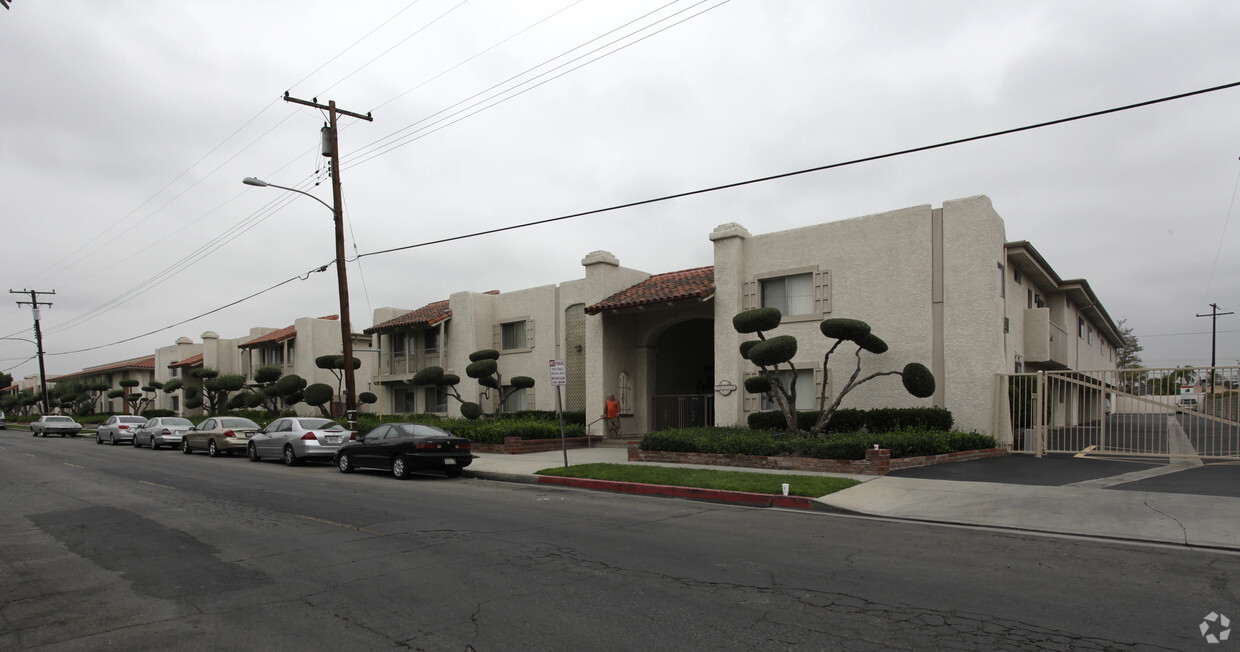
[252,181]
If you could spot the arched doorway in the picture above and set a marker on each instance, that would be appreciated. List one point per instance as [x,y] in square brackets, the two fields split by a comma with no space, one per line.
[684,372]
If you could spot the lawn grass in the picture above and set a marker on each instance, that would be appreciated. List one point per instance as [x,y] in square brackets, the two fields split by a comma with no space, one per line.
[812,486]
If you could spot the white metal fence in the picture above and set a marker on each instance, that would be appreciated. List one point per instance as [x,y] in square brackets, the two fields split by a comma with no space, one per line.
[1172,412]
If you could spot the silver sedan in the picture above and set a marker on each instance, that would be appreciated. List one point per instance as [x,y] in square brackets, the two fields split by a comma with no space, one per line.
[161,431]
[294,439]
[118,427]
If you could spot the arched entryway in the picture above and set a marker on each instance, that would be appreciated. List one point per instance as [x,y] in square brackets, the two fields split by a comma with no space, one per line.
[684,372]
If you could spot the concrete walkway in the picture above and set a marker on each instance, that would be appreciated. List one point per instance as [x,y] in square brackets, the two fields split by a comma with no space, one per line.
[1083,509]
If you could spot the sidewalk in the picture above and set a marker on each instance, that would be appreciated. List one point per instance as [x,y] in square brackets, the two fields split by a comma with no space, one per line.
[1090,510]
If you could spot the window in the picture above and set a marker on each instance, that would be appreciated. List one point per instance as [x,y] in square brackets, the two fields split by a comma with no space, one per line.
[436,400]
[512,335]
[430,341]
[1030,305]
[398,344]
[1080,327]
[1016,275]
[402,400]
[174,372]
[1002,282]
[792,295]
[1089,334]
[176,403]
[805,390]
[516,401]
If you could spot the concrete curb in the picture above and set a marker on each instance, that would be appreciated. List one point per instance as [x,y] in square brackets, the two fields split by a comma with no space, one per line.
[501,477]
[692,493]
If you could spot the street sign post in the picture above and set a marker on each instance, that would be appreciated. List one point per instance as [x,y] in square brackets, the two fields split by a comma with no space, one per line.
[559,378]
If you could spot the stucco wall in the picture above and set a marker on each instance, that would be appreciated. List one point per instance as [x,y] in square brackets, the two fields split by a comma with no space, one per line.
[880,271]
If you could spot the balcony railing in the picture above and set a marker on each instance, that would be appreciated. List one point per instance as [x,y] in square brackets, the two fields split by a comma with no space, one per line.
[395,364]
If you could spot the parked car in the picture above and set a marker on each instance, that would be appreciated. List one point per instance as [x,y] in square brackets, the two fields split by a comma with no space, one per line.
[118,427]
[404,447]
[2,423]
[295,439]
[50,424]
[219,435]
[161,431]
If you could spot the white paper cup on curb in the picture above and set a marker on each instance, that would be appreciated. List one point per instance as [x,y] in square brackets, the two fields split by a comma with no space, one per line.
[785,488]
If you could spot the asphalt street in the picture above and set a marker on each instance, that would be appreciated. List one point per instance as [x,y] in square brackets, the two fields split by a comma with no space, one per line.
[117,548]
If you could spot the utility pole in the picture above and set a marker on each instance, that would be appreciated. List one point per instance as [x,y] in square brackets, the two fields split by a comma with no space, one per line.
[346,331]
[38,335]
[1214,315]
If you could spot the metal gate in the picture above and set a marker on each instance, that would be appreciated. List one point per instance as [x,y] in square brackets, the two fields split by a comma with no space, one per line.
[682,411]
[1182,413]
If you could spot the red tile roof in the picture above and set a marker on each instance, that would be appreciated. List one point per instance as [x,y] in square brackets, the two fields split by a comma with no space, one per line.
[286,333]
[141,363]
[697,283]
[428,315]
[192,361]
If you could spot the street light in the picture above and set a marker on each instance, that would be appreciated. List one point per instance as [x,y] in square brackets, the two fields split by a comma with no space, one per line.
[346,331]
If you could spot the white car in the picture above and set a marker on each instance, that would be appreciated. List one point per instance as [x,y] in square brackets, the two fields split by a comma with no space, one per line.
[54,425]
[118,427]
[161,431]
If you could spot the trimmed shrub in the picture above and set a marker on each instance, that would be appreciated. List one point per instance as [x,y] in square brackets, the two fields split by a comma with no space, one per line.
[853,420]
[918,380]
[758,319]
[844,329]
[776,350]
[852,446]
[484,354]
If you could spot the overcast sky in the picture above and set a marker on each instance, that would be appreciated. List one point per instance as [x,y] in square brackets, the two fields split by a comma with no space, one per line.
[127,128]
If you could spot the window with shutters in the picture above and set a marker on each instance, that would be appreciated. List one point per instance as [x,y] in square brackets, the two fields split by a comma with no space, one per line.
[809,387]
[799,294]
[515,335]
[515,401]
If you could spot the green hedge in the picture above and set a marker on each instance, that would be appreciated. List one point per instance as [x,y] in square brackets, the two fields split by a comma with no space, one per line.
[740,441]
[530,424]
[853,420]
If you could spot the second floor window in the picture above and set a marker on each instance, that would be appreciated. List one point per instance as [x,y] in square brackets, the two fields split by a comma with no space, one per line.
[430,342]
[512,335]
[805,389]
[398,344]
[791,295]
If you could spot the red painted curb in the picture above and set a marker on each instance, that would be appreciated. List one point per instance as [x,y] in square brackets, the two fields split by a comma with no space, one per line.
[743,497]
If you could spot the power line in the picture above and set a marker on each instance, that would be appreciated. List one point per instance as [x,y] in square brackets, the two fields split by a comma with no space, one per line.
[707,190]
[819,168]
[380,147]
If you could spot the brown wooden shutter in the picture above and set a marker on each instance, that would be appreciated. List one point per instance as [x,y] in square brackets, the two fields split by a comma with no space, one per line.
[822,291]
[749,295]
[496,336]
[529,333]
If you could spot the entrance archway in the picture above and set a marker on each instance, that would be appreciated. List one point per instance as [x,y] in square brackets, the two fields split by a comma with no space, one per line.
[684,372]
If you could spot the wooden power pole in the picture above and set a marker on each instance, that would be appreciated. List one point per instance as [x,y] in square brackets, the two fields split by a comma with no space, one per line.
[346,330]
[34,304]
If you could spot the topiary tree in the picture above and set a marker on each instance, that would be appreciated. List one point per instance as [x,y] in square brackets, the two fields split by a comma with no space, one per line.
[484,367]
[435,376]
[289,388]
[335,364]
[215,389]
[770,355]
[319,395]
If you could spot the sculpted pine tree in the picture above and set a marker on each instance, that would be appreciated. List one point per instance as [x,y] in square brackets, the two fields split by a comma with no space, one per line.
[483,367]
[774,355]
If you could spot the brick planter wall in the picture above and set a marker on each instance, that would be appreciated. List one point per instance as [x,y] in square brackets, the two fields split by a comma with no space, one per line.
[516,445]
[876,462]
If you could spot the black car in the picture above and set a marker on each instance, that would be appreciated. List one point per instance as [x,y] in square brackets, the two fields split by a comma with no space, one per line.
[405,447]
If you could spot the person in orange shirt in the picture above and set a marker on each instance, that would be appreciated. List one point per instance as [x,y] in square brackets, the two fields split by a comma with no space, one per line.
[611,411]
